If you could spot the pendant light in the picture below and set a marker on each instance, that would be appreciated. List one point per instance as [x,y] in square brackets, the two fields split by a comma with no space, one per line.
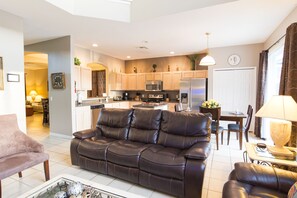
[207,60]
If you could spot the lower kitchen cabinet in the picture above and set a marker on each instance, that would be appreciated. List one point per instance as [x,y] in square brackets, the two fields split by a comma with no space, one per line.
[83,118]
[171,107]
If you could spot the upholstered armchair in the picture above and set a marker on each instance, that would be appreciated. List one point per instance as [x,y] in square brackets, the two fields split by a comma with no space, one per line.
[17,150]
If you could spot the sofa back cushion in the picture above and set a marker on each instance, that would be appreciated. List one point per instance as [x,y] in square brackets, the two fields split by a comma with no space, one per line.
[182,130]
[145,126]
[114,123]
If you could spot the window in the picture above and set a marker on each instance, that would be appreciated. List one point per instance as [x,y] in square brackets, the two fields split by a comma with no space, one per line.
[275,60]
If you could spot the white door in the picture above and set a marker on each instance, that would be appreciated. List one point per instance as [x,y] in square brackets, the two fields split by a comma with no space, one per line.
[235,89]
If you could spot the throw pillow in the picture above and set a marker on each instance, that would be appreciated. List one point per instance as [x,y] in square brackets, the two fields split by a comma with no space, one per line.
[293,191]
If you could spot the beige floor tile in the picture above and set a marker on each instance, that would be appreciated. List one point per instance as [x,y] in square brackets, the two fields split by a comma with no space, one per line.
[141,191]
[216,184]
[213,194]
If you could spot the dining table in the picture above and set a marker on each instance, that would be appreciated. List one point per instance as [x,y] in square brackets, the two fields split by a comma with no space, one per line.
[238,118]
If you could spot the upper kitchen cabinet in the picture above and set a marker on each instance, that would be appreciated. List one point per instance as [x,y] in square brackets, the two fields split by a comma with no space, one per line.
[171,80]
[115,81]
[195,74]
[131,81]
[154,76]
[140,82]
[83,78]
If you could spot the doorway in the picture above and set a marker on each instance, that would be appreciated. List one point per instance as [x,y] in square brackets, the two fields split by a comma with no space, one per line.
[99,80]
[36,91]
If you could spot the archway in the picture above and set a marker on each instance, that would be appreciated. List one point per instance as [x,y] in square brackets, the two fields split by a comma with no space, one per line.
[99,80]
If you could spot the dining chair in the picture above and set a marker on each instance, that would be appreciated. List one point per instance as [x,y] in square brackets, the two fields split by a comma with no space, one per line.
[245,128]
[45,107]
[178,107]
[215,124]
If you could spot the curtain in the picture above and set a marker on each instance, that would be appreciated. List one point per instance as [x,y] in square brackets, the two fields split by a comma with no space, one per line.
[262,79]
[288,82]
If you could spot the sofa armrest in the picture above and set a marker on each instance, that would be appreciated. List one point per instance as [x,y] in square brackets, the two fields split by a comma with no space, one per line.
[200,150]
[85,134]
[265,176]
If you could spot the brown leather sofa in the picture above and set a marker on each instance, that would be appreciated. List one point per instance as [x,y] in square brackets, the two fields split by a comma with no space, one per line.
[252,180]
[161,150]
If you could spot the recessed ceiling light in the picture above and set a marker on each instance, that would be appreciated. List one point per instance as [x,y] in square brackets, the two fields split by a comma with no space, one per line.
[172,52]
[95,45]
[128,56]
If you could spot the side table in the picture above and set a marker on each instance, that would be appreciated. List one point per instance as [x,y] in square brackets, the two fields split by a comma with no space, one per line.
[29,110]
[264,157]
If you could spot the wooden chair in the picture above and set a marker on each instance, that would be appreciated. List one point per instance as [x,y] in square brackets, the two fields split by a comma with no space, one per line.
[215,125]
[45,106]
[246,127]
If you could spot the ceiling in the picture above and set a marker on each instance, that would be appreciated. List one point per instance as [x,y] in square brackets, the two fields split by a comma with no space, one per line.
[156,27]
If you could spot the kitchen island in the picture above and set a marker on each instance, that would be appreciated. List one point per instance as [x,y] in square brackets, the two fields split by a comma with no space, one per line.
[162,106]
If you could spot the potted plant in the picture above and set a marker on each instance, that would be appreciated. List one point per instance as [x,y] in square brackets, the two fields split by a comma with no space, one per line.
[154,67]
[77,61]
[193,58]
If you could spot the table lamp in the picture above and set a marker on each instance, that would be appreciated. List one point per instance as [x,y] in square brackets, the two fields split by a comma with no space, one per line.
[33,94]
[282,109]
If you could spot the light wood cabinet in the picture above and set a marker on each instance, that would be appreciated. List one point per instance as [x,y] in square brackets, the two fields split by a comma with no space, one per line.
[131,81]
[124,82]
[140,82]
[154,76]
[171,80]
[201,74]
[115,81]
[83,78]
[83,118]
[131,103]
[171,107]
[187,74]
[86,78]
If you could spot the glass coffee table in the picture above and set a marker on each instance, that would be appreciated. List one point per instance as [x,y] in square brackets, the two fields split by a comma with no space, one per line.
[90,189]
[262,156]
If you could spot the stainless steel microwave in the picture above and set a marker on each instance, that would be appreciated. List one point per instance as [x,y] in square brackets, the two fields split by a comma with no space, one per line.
[153,85]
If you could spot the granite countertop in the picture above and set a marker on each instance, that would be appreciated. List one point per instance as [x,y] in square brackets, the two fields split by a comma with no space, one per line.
[97,102]
[150,105]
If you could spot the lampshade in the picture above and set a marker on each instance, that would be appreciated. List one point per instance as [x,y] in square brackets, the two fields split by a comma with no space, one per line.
[279,107]
[38,98]
[207,60]
[33,93]
[29,98]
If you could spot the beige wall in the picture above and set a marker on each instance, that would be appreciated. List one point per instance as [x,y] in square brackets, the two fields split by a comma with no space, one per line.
[281,29]
[37,80]
[12,98]
[249,55]
[181,63]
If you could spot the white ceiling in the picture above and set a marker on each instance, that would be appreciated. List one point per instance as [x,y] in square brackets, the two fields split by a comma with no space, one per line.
[166,25]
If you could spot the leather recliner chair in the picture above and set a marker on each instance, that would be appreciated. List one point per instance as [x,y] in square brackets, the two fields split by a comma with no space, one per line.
[161,150]
[253,180]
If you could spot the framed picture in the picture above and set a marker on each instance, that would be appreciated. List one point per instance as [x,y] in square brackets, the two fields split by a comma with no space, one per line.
[58,80]
[13,78]
[1,75]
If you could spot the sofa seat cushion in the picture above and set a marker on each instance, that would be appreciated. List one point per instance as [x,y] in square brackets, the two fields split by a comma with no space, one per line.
[163,161]
[94,148]
[13,164]
[126,153]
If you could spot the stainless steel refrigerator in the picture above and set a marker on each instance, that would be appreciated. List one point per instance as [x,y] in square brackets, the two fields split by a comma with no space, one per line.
[193,92]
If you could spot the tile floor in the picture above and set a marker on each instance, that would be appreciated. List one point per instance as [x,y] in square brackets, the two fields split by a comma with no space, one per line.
[219,165]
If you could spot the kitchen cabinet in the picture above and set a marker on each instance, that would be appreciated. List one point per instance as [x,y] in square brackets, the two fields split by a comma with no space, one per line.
[131,81]
[131,103]
[171,107]
[83,78]
[154,76]
[124,82]
[201,74]
[125,105]
[171,80]
[83,118]
[140,82]
[195,74]
[115,81]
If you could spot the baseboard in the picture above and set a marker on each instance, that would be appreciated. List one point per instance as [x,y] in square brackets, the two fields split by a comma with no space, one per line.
[68,137]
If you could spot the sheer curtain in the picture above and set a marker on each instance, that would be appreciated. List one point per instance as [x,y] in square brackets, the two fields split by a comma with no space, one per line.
[289,72]
[275,59]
